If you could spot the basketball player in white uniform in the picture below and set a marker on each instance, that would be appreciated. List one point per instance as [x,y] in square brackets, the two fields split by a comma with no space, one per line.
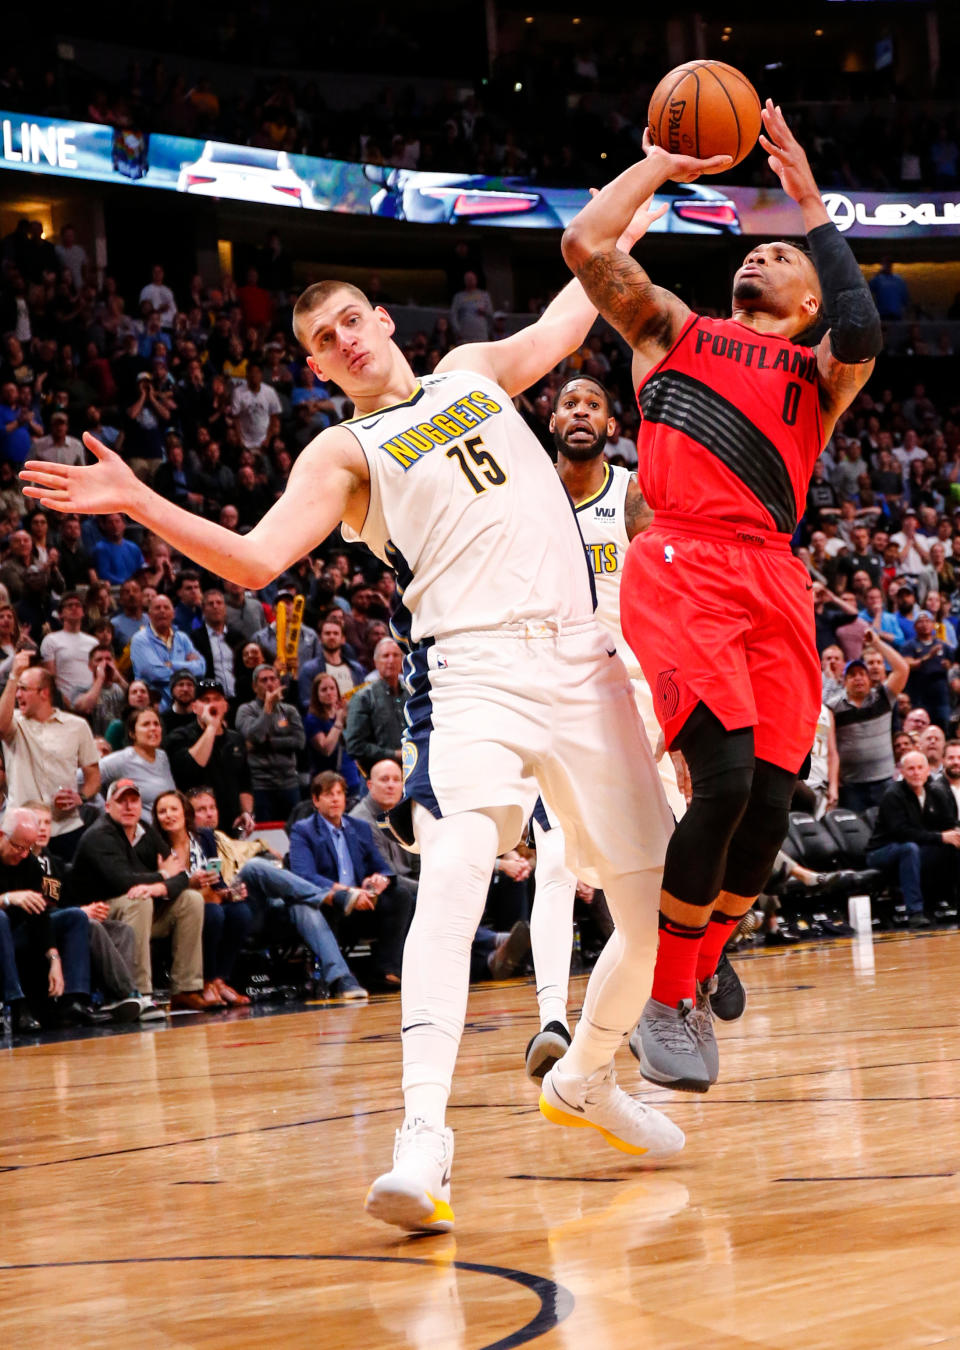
[611,511]
[511,680]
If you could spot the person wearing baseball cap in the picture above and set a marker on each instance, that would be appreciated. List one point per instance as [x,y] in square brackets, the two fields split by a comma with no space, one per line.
[125,864]
[208,753]
[863,718]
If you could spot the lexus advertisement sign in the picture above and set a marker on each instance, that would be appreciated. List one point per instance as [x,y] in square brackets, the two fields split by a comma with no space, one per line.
[45,145]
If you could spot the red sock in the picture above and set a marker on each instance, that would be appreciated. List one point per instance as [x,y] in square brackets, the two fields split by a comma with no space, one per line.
[719,929]
[675,972]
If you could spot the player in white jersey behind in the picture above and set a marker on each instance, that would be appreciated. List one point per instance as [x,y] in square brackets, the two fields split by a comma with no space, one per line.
[610,510]
[508,672]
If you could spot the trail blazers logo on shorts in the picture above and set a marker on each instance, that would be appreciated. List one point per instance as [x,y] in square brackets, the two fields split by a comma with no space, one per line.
[668,692]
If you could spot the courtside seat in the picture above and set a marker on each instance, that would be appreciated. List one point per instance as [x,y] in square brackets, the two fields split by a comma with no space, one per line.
[811,844]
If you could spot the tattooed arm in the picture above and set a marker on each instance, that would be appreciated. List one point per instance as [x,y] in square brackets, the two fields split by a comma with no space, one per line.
[637,514]
[647,316]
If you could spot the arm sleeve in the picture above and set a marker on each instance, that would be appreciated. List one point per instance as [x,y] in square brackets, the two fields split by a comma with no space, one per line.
[855,332]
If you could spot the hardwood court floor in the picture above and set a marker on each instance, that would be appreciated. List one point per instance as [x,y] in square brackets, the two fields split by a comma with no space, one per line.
[200,1186]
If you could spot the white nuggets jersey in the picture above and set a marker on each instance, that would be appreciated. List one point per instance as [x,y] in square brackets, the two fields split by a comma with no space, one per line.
[469,511]
[603,525]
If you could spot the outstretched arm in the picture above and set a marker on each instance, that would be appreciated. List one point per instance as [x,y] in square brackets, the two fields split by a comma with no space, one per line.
[647,316]
[521,360]
[328,483]
[845,356]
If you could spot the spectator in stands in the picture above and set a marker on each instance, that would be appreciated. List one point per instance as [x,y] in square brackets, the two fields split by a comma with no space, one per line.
[916,832]
[471,312]
[138,696]
[251,656]
[951,769]
[117,863]
[863,717]
[338,855]
[183,692]
[330,660]
[914,548]
[66,654]
[148,419]
[244,613]
[131,617]
[890,293]
[43,750]
[16,439]
[72,256]
[323,726]
[106,698]
[160,297]
[53,949]
[217,643]
[58,447]
[269,886]
[114,557]
[142,761]
[929,663]
[227,918]
[112,942]
[74,562]
[375,720]
[384,790]
[257,410]
[883,623]
[188,612]
[274,734]
[208,753]
[308,644]
[932,743]
[159,650]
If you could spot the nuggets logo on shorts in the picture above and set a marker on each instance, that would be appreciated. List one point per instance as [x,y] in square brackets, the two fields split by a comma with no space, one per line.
[668,692]
[409,755]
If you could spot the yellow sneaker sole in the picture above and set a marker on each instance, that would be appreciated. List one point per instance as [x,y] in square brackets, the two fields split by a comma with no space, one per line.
[577,1122]
[408,1211]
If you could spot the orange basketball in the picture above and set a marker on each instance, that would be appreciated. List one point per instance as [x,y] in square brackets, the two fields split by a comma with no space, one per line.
[705,108]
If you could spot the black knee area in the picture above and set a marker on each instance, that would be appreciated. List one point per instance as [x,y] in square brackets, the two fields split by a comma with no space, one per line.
[758,838]
[721,765]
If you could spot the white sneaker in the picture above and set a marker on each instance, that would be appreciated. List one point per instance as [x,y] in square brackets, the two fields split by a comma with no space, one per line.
[123,1009]
[150,1010]
[624,1122]
[415,1193]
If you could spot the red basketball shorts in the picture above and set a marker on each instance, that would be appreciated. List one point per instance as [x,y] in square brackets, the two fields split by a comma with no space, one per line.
[724,615]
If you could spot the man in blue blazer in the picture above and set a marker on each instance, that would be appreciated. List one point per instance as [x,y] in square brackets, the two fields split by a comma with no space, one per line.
[338,854]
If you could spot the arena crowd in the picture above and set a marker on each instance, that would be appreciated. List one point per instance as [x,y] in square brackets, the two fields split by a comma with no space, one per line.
[152,714]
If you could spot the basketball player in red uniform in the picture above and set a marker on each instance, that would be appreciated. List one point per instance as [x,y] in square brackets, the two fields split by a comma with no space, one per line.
[714,604]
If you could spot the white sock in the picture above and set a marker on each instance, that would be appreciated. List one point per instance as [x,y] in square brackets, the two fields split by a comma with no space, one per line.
[622,978]
[551,924]
[456,863]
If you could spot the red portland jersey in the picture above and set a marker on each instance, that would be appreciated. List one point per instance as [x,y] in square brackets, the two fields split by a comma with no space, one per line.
[731,426]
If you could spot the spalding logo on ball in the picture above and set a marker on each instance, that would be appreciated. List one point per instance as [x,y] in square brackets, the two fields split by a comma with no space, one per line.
[705,108]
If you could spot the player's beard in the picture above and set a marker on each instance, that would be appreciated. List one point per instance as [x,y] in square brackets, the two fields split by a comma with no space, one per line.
[581,451]
[748,288]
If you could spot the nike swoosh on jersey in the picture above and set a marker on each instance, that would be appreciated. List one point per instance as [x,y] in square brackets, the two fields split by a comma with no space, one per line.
[368,426]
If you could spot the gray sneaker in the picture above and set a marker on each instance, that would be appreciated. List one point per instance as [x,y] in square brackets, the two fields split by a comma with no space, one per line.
[665,1043]
[701,1019]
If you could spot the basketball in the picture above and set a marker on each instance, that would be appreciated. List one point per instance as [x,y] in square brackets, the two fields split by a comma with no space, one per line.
[705,108]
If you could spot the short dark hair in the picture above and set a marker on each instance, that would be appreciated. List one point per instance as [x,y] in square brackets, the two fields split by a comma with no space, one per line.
[202,791]
[315,296]
[187,575]
[591,379]
[323,782]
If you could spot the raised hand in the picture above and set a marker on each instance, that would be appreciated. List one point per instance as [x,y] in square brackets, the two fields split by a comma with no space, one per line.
[91,489]
[643,218]
[684,168]
[785,155]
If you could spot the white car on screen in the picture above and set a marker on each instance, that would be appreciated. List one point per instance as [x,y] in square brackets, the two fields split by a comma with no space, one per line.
[246,173]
